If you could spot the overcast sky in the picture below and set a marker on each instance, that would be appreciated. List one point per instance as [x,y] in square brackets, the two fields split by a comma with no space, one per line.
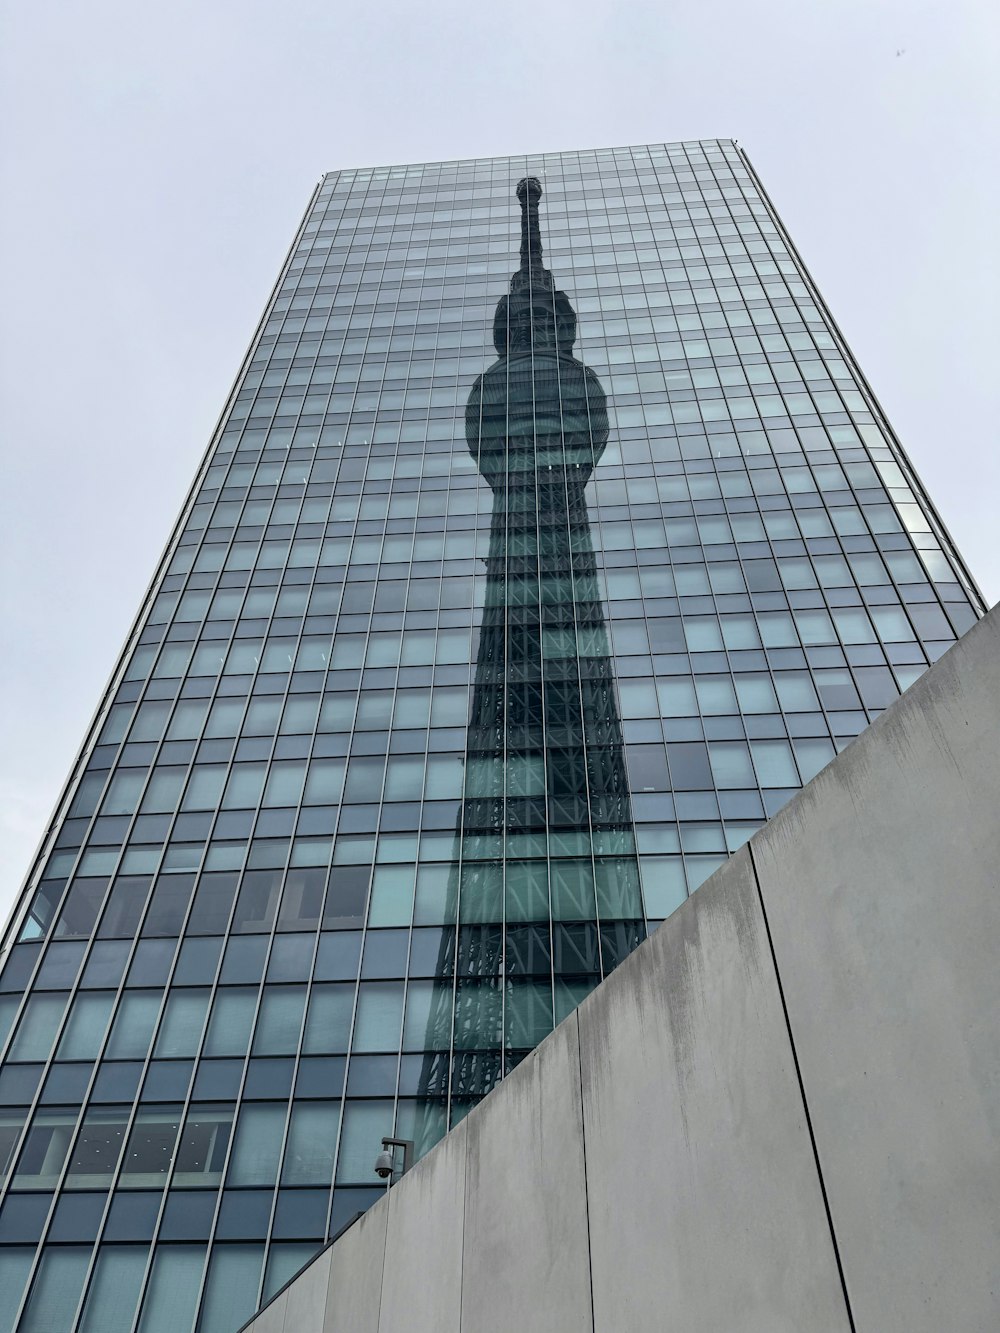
[157,159]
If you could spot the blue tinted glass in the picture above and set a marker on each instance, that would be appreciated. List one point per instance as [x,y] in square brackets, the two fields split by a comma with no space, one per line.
[550,541]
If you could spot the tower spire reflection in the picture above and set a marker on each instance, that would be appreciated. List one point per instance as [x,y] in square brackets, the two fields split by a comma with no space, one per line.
[545,889]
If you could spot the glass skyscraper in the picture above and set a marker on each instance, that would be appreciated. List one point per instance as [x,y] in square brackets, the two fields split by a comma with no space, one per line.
[549,541]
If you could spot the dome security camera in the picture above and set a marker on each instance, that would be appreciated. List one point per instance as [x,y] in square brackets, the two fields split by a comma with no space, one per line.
[385,1162]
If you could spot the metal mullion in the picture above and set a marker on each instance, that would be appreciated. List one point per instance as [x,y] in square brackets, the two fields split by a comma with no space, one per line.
[348,1054]
[509,511]
[579,677]
[309,984]
[613,680]
[571,563]
[460,835]
[662,741]
[613,683]
[364,926]
[427,753]
[614,675]
[521,520]
[484,280]
[586,773]
[459,860]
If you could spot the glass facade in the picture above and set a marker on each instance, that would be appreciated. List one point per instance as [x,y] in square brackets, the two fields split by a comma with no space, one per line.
[549,541]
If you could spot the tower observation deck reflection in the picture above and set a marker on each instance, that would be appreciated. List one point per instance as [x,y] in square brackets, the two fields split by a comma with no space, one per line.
[545,888]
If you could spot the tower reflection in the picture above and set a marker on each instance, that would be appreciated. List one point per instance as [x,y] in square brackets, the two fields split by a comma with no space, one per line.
[544,894]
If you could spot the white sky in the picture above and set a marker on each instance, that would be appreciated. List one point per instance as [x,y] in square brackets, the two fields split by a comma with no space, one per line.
[156,160]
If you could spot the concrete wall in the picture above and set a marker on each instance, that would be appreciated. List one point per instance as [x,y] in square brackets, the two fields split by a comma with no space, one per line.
[781,1113]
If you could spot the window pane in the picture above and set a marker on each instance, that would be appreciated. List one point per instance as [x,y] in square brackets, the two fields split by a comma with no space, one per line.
[15,1263]
[258,1145]
[231,1287]
[84,1032]
[380,1013]
[114,1289]
[201,1151]
[38,1027]
[324,783]
[56,1289]
[183,1020]
[151,1148]
[312,1142]
[204,787]
[258,901]
[365,1123]
[231,1022]
[328,1023]
[731,766]
[280,1020]
[45,1149]
[246,782]
[795,692]
[812,755]
[11,1124]
[172,1294]
[133,1026]
[284,783]
[756,694]
[283,1262]
[663,885]
[774,763]
[212,904]
[528,1013]
[392,896]
[97,1149]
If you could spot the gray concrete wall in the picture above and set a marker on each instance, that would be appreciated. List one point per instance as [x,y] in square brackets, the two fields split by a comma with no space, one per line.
[781,1113]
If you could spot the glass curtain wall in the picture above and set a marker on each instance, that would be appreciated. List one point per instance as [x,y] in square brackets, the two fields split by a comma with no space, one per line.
[549,542]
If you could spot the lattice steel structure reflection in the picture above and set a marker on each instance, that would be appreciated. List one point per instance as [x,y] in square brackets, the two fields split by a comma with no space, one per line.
[545,757]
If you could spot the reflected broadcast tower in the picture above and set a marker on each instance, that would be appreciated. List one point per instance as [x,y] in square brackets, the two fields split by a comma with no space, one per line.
[545,892]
